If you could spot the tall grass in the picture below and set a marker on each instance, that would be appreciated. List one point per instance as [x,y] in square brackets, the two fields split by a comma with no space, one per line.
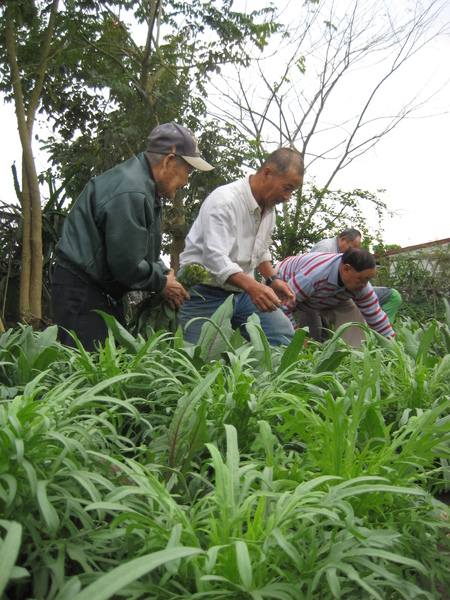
[155,469]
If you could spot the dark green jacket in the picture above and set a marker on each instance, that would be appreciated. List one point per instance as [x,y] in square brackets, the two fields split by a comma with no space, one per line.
[112,234]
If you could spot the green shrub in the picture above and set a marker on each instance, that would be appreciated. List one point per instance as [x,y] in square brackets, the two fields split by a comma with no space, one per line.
[156,469]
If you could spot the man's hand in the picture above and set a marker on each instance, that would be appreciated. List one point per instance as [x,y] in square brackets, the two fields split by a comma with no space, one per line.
[284,291]
[174,293]
[261,295]
[264,298]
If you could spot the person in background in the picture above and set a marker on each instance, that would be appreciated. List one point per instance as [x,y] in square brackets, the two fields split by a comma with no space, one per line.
[111,238]
[231,238]
[323,282]
[350,238]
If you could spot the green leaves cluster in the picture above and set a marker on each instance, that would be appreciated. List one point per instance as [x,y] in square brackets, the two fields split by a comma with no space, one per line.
[314,214]
[422,278]
[12,244]
[154,314]
[155,468]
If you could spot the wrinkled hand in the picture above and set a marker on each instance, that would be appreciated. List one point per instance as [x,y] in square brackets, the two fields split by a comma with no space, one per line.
[264,298]
[174,293]
[284,292]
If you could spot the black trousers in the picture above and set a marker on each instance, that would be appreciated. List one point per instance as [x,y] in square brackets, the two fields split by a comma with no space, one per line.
[73,301]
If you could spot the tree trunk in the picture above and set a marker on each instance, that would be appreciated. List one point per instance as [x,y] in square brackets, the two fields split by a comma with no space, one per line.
[25,267]
[36,243]
[177,229]
[31,273]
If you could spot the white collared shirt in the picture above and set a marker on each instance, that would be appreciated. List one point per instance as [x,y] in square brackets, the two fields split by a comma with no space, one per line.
[230,235]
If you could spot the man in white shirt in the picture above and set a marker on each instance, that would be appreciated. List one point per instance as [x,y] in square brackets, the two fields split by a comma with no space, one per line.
[231,238]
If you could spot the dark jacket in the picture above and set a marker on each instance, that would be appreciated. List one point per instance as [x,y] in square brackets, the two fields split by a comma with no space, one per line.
[112,234]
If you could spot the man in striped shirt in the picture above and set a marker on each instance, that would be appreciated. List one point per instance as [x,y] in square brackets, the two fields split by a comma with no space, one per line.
[324,281]
[390,300]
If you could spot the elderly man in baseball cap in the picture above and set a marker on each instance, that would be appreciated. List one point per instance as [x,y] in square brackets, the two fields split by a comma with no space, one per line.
[111,239]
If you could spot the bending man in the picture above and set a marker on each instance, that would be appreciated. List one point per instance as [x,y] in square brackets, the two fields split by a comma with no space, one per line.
[389,298]
[231,238]
[111,239]
[324,281]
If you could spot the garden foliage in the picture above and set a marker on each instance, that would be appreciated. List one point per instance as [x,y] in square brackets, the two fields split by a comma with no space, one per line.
[154,313]
[156,469]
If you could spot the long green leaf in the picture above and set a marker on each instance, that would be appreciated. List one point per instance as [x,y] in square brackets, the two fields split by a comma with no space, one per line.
[244,564]
[425,344]
[184,427]
[233,463]
[107,585]
[216,332]
[259,342]
[123,336]
[292,352]
[47,509]
[9,551]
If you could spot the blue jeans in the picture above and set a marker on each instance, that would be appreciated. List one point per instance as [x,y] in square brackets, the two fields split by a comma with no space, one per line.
[276,325]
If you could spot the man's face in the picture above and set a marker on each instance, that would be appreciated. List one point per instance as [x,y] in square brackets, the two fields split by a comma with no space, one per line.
[173,176]
[278,188]
[345,244]
[353,281]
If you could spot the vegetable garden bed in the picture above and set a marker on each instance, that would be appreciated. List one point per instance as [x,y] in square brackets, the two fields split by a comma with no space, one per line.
[155,469]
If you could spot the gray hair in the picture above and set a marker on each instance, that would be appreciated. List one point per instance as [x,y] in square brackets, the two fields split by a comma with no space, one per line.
[350,234]
[155,158]
[283,159]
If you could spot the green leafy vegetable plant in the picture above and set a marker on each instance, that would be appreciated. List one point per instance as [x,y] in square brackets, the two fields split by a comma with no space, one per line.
[154,314]
[158,469]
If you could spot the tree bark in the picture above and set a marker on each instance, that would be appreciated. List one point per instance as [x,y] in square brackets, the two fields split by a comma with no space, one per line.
[31,274]
[177,228]
[25,267]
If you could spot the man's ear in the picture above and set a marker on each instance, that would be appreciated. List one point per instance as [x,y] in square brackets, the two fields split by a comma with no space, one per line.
[267,172]
[167,160]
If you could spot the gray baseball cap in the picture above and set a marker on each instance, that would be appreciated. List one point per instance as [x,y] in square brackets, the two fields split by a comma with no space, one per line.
[171,138]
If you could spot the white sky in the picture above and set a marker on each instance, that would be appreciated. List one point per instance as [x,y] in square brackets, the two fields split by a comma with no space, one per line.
[411,164]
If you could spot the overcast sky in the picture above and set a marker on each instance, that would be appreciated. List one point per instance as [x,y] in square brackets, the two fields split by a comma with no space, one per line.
[411,164]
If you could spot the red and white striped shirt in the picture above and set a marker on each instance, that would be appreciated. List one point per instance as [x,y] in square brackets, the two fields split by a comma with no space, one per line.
[314,278]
